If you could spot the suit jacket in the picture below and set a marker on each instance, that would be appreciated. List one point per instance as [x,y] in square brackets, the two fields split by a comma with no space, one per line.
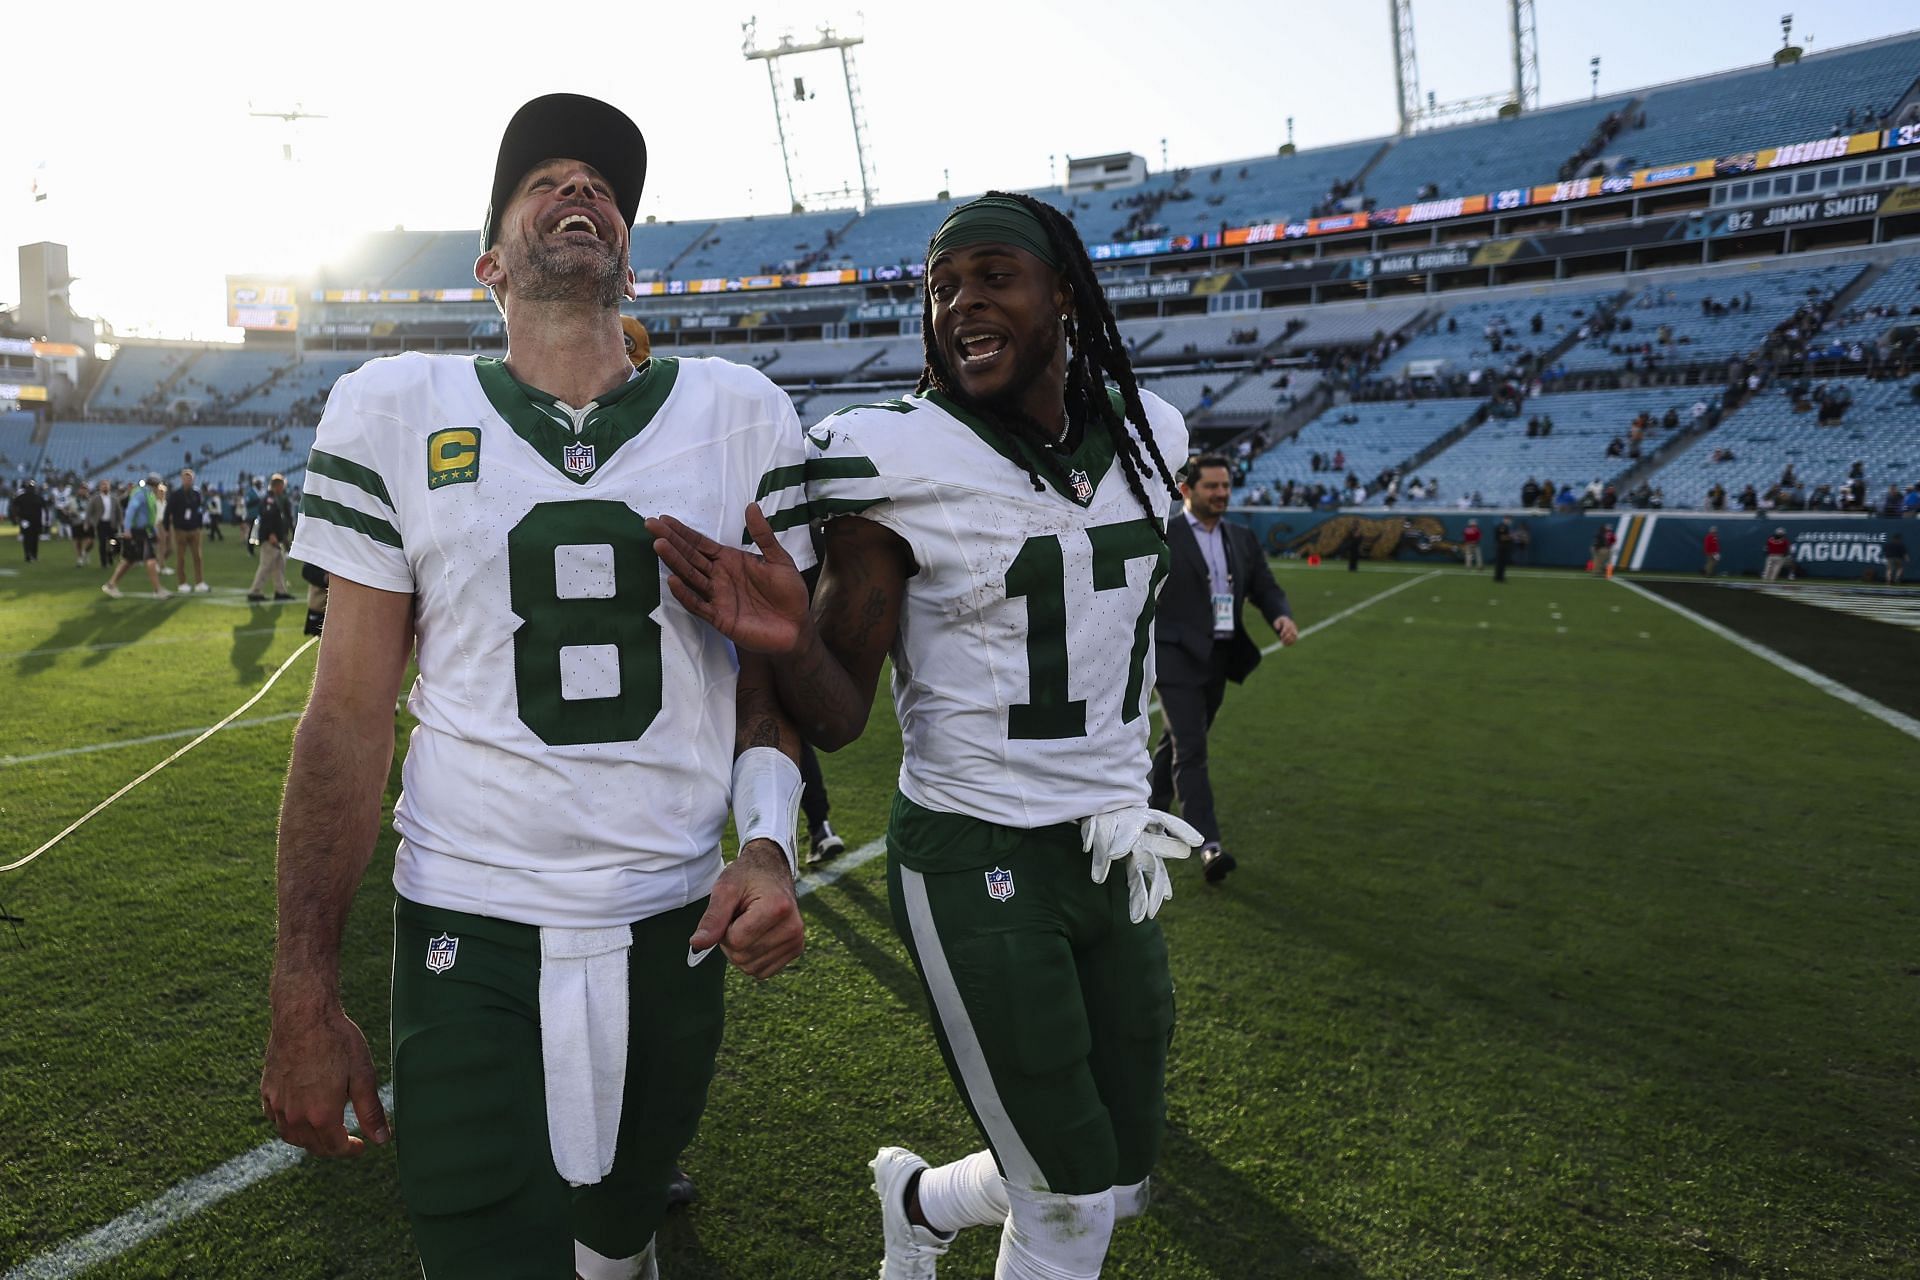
[1183,624]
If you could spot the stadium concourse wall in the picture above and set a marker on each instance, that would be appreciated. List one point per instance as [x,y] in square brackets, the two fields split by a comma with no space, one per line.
[1825,545]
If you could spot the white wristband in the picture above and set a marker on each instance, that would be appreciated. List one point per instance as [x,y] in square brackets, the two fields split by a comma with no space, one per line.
[766,799]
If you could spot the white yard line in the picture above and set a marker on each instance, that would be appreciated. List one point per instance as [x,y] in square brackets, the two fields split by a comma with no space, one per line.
[118,743]
[1825,684]
[1153,708]
[188,1198]
[174,1205]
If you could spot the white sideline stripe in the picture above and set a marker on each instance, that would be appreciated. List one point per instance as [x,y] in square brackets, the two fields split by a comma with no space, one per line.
[1825,684]
[183,1200]
[188,1198]
[91,747]
[133,644]
[229,718]
[176,1204]
[1153,708]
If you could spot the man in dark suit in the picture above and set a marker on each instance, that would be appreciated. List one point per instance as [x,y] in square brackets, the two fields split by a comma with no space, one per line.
[1201,641]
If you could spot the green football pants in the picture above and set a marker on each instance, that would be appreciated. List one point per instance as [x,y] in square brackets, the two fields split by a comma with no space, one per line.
[476,1162]
[1053,1010]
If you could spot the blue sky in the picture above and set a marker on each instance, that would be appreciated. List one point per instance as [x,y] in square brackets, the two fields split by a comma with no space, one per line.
[136,119]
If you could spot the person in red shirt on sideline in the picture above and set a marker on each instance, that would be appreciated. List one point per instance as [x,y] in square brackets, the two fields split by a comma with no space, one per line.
[1470,546]
[1711,546]
[1779,552]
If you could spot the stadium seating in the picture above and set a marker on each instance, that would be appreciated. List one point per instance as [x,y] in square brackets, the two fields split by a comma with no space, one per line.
[1262,395]
[398,259]
[1192,337]
[1898,288]
[1698,338]
[263,458]
[225,376]
[1475,159]
[304,380]
[1374,437]
[168,453]
[758,246]
[1768,433]
[135,373]
[1470,344]
[86,447]
[1768,106]
[1348,324]
[1496,458]
[18,452]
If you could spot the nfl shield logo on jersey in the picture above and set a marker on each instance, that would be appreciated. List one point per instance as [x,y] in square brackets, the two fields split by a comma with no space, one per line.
[999,884]
[578,459]
[1082,485]
[440,952]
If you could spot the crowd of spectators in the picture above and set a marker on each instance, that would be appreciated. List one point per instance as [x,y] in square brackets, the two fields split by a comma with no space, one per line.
[1791,493]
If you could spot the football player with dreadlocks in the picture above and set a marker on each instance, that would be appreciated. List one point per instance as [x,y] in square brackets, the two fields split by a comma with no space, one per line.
[1001,534]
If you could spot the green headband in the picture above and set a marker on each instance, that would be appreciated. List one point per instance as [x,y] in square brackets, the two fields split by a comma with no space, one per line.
[994,220]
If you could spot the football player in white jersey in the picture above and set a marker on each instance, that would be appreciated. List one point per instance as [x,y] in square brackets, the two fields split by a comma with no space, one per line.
[559,876]
[1000,534]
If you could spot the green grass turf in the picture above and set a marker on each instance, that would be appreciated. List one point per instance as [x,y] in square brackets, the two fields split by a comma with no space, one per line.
[1575,945]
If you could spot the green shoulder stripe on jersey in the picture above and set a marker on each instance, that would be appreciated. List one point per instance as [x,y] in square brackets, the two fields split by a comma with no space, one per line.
[815,469]
[313,506]
[818,509]
[780,478]
[347,471]
[615,419]
[888,406]
[1094,457]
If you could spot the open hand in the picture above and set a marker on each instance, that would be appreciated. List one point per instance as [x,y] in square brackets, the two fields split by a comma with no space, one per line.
[757,601]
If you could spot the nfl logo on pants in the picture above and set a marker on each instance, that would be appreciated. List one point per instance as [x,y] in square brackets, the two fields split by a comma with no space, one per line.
[999,884]
[440,953]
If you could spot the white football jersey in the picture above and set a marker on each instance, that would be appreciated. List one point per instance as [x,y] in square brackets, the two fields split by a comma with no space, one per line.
[575,747]
[1024,661]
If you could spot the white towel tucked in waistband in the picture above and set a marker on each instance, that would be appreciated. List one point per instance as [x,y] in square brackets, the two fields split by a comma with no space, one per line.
[583,1045]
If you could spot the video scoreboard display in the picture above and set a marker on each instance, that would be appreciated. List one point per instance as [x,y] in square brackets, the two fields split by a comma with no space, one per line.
[260,304]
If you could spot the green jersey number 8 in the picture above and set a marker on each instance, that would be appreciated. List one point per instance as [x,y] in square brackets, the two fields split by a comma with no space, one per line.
[620,616]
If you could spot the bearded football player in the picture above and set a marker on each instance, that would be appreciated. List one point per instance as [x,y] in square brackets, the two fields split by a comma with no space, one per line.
[559,877]
[1001,535]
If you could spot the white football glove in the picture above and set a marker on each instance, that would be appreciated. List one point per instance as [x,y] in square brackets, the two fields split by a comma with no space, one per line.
[1148,840]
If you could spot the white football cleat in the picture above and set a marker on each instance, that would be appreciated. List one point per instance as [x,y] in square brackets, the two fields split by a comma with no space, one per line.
[912,1251]
[110,589]
[202,588]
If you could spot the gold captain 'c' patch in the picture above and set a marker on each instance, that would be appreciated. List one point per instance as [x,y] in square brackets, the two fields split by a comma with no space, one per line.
[453,456]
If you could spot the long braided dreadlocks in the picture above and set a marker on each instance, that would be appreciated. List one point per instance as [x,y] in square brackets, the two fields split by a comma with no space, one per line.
[1096,353]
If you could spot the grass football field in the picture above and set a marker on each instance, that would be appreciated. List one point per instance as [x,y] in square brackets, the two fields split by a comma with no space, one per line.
[1568,940]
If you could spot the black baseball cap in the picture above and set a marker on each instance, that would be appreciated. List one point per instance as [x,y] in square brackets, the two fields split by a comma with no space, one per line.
[573,127]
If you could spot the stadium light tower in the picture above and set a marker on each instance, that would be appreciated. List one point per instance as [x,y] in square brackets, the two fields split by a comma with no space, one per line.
[1524,96]
[1406,67]
[786,48]
[290,118]
[1526,56]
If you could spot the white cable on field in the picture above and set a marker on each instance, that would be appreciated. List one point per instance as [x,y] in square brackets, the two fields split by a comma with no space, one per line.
[225,720]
